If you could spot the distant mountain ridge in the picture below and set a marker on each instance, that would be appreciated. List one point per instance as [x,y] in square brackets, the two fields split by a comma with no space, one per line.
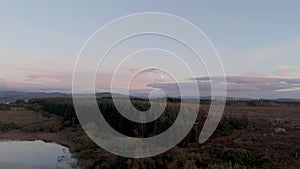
[108,94]
[12,96]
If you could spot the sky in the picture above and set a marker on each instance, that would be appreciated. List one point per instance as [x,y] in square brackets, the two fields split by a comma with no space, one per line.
[258,44]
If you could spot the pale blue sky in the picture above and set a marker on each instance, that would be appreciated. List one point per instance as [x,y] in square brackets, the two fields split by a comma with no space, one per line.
[40,40]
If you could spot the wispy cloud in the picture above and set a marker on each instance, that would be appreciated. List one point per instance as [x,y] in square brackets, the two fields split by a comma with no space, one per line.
[40,80]
[281,49]
[33,77]
[129,50]
[273,59]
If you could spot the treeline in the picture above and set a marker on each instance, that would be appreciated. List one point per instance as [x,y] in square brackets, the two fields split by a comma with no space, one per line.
[59,106]
[64,107]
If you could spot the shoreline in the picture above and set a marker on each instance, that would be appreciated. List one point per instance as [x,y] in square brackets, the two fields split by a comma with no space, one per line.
[55,137]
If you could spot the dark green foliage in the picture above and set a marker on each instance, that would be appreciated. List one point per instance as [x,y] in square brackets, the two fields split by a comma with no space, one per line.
[133,129]
[21,102]
[236,155]
[238,123]
[4,107]
[60,106]
[229,124]
[101,162]
[141,104]
[264,160]
[7,127]
[181,158]
[226,128]
[140,163]
[84,144]
[64,107]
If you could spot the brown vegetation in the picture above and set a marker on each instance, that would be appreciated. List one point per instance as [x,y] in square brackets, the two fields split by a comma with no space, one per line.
[245,138]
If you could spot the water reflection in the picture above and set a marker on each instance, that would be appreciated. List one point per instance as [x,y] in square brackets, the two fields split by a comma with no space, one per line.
[35,155]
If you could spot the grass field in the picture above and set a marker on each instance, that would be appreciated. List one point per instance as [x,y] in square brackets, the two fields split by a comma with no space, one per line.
[19,116]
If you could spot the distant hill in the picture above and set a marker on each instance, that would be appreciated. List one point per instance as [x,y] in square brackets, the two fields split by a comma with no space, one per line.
[287,100]
[13,96]
[109,95]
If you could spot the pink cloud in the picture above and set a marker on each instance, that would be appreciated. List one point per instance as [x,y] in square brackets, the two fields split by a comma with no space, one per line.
[286,71]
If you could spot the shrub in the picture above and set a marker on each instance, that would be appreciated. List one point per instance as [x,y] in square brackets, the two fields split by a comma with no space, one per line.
[226,128]
[32,127]
[51,126]
[236,155]
[238,123]
[140,163]
[6,127]
[4,107]
[20,102]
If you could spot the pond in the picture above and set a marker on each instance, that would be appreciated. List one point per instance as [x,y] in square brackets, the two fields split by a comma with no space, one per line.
[35,155]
